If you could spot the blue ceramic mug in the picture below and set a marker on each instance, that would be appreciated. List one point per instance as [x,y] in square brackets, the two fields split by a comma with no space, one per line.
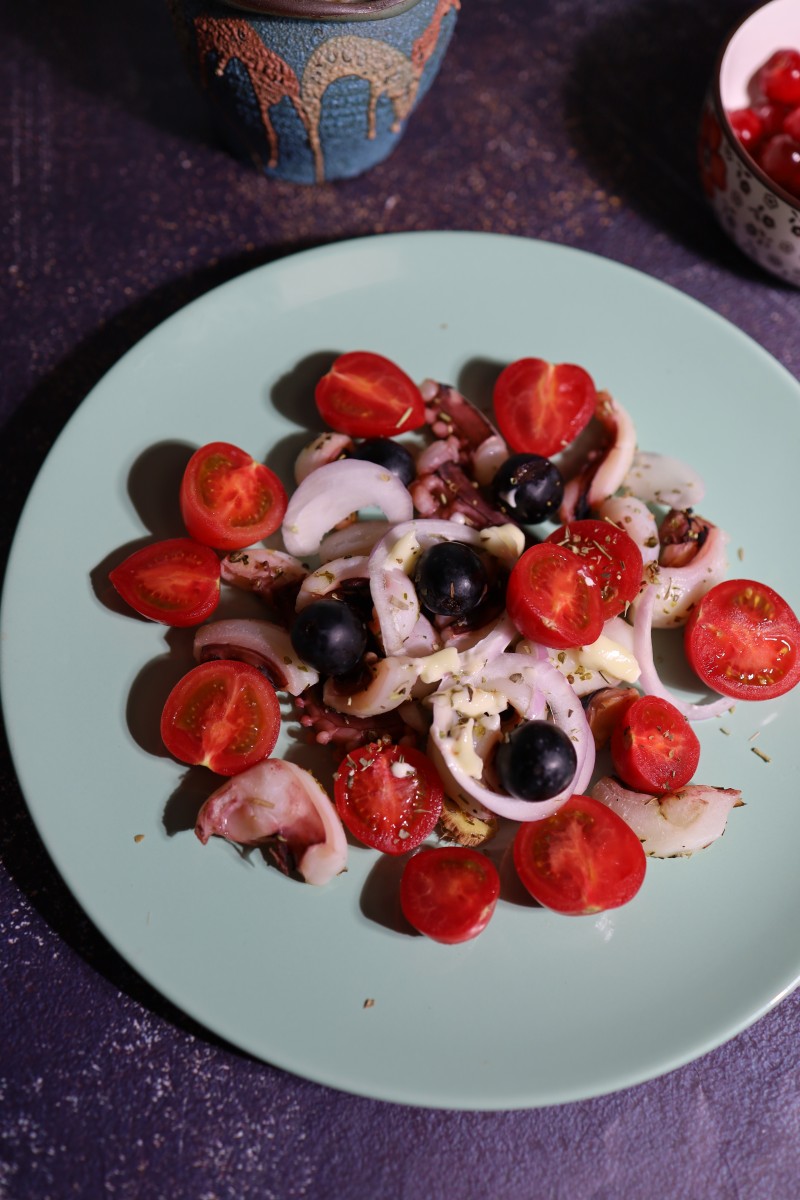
[314,90]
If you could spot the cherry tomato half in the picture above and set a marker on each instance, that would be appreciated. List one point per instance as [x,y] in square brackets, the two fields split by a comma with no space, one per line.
[366,395]
[228,500]
[554,599]
[175,581]
[223,715]
[653,747]
[610,554]
[743,640]
[389,797]
[449,893]
[540,407]
[583,859]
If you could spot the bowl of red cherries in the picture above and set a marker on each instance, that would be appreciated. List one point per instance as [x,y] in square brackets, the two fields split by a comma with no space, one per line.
[749,142]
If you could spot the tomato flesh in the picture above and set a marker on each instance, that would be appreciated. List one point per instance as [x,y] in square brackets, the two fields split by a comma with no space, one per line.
[583,859]
[653,747]
[743,640]
[449,893]
[554,599]
[540,407]
[223,715]
[367,395]
[175,581]
[389,797]
[610,554]
[228,500]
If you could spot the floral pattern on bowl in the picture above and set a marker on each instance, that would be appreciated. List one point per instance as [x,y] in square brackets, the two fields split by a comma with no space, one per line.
[761,223]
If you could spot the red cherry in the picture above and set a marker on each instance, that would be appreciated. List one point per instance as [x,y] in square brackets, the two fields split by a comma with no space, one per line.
[771,117]
[779,78]
[791,123]
[780,158]
[747,125]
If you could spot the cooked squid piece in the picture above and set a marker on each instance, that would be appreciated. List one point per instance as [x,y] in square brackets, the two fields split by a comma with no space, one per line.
[277,799]
[659,479]
[334,492]
[607,458]
[675,825]
[259,643]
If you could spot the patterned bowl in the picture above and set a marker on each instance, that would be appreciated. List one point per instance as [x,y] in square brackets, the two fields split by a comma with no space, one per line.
[762,218]
[314,90]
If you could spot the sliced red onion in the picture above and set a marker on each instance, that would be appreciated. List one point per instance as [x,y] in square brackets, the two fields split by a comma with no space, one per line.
[329,577]
[678,589]
[393,594]
[675,825]
[277,799]
[325,448]
[259,643]
[358,538]
[659,479]
[390,684]
[492,640]
[333,492]
[566,710]
[650,679]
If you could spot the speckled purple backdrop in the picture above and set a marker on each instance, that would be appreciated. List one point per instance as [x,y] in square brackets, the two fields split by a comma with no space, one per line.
[559,119]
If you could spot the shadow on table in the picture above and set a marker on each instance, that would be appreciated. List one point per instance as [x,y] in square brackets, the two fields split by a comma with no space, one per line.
[128,54]
[27,437]
[633,101]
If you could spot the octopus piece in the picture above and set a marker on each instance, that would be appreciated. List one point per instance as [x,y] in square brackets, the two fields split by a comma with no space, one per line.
[450,494]
[682,536]
[679,587]
[274,576]
[470,437]
[279,800]
[328,727]
[605,464]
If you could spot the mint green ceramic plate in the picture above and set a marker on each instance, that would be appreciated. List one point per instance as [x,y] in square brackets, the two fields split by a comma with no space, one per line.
[539,1009]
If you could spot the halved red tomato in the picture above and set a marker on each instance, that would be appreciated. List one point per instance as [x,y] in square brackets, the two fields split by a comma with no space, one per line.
[743,640]
[367,395]
[581,860]
[228,500]
[175,581]
[223,715]
[389,797]
[541,407]
[554,599]
[653,747]
[610,554]
[449,893]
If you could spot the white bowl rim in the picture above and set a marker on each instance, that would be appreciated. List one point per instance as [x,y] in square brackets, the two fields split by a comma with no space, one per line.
[792,201]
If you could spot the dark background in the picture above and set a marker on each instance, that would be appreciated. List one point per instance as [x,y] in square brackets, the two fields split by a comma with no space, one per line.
[570,121]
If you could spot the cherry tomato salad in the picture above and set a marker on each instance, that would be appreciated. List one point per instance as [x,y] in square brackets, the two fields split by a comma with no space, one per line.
[464,618]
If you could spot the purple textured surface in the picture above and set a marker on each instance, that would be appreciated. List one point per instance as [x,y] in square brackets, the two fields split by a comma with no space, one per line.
[554,119]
